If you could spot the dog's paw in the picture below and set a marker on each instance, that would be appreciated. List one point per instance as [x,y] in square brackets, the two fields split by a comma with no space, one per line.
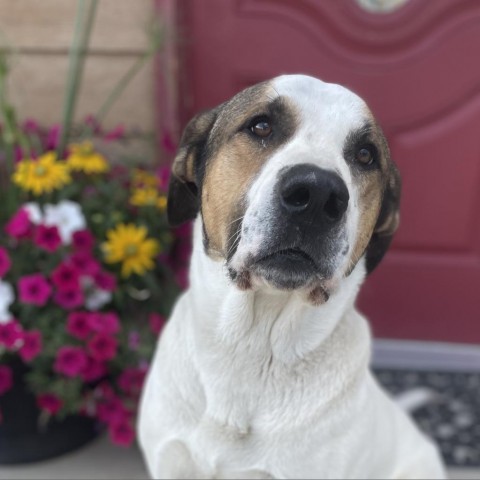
[175,462]
[246,474]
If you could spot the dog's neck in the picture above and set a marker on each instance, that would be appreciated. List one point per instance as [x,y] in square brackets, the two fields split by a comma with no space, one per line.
[281,322]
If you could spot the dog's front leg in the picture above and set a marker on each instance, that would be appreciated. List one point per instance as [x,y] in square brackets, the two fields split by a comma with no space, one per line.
[176,462]
[425,465]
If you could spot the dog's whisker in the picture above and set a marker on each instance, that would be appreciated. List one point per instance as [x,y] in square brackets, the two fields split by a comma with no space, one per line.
[233,244]
[236,220]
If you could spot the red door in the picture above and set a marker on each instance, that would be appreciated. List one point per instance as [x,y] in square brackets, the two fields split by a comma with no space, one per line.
[419,69]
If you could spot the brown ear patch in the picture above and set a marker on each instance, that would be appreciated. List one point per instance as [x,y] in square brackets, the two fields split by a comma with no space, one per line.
[388,220]
[183,199]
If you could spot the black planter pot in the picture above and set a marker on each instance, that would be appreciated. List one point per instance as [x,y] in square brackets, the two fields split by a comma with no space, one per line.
[22,440]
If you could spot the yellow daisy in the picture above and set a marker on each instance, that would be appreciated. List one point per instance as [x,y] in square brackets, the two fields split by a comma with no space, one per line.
[143,179]
[42,175]
[128,244]
[83,158]
[148,197]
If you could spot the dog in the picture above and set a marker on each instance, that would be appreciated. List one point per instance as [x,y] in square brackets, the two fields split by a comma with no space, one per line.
[263,369]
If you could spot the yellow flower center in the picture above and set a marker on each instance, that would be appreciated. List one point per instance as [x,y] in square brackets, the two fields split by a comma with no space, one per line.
[129,245]
[131,250]
[40,171]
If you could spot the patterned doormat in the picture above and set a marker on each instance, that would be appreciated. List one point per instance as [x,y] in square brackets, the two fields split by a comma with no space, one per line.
[447,409]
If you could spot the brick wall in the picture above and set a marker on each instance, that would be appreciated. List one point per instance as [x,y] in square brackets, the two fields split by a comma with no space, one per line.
[39,33]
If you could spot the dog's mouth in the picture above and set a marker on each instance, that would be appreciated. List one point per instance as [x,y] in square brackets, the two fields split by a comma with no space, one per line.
[287,268]
[289,258]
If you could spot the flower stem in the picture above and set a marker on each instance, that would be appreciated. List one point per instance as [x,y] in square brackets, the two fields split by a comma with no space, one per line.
[7,116]
[84,20]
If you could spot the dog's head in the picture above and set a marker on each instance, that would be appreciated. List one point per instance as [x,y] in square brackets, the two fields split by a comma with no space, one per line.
[294,183]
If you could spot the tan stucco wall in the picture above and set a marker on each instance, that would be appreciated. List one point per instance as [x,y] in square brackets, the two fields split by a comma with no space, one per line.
[40,32]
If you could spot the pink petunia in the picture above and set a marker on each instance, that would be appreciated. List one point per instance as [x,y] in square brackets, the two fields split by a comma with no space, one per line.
[70,361]
[53,137]
[94,370]
[34,289]
[19,226]
[78,325]
[66,277]
[131,380]
[121,433]
[83,240]
[163,175]
[32,345]
[47,238]
[10,334]
[6,379]
[116,134]
[156,322]
[104,391]
[85,263]
[18,154]
[102,347]
[31,126]
[105,281]
[5,262]
[69,298]
[49,403]
[107,323]
[112,410]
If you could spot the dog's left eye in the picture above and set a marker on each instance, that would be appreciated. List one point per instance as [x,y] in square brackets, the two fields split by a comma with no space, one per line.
[261,128]
[365,155]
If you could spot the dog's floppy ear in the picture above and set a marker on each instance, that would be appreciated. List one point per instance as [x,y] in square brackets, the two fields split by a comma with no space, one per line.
[388,220]
[183,191]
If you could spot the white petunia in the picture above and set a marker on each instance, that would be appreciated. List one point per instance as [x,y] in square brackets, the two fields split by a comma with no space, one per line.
[7,297]
[34,212]
[5,316]
[97,299]
[67,216]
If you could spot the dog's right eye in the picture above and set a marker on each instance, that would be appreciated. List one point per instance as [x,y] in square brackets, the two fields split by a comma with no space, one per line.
[365,155]
[261,127]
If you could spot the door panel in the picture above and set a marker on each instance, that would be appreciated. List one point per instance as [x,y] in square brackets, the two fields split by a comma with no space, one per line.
[418,69]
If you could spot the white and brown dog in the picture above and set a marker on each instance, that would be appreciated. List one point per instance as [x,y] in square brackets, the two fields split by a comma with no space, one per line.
[263,368]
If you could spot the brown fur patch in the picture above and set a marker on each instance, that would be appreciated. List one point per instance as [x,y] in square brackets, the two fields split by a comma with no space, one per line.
[372,186]
[318,296]
[244,280]
[369,202]
[228,176]
[235,158]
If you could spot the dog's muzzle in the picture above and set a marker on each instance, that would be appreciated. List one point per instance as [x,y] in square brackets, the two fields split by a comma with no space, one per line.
[307,214]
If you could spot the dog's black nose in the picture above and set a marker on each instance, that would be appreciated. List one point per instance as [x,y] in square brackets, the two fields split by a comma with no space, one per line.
[311,192]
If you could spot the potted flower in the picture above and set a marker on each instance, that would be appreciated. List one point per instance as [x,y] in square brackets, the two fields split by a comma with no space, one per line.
[87,278]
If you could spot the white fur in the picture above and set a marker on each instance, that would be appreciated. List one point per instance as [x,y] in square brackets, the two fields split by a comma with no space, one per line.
[261,384]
